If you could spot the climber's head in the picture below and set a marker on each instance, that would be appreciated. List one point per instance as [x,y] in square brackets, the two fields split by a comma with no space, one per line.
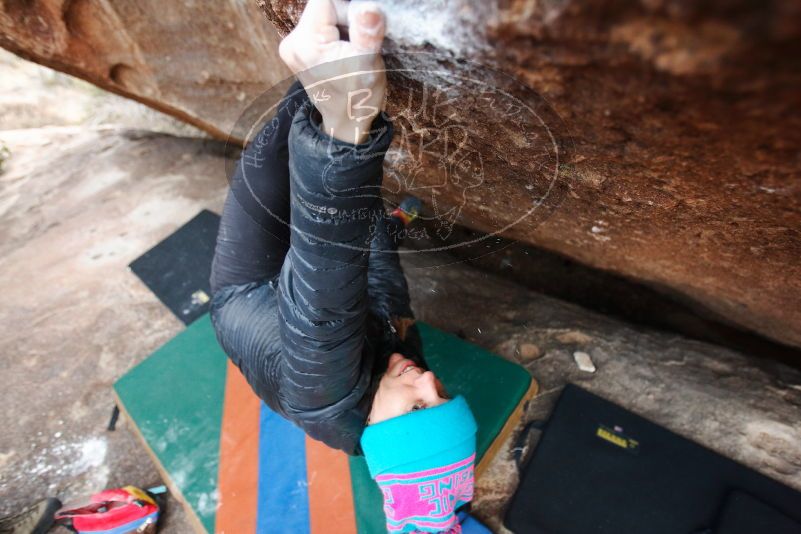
[420,448]
[404,388]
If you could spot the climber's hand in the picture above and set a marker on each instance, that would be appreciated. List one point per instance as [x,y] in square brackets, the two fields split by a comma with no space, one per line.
[325,64]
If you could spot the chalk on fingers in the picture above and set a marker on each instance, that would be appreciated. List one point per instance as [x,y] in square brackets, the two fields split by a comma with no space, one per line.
[366,26]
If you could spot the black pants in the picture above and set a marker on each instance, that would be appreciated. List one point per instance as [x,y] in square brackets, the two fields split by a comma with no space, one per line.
[254,231]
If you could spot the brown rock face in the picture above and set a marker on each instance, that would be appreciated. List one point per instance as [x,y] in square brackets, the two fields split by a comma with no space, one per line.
[199,61]
[658,139]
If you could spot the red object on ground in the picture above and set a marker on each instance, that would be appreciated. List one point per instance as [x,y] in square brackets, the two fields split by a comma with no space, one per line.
[112,511]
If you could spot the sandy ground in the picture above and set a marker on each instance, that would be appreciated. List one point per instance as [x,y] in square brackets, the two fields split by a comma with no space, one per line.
[80,200]
[74,317]
[57,367]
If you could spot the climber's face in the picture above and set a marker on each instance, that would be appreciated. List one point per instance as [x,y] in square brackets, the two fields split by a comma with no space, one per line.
[405,388]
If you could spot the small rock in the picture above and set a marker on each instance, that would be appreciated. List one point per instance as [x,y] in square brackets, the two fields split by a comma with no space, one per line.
[507,349]
[584,361]
[574,336]
[530,351]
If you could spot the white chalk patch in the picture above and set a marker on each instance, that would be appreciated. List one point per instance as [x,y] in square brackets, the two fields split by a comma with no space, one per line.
[584,361]
[93,454]
[81,463]
[208,502]
[597,231]
[446,24]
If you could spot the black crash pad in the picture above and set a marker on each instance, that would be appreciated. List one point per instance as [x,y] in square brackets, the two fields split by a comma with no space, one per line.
[177,269]
[743,514]
[601,469]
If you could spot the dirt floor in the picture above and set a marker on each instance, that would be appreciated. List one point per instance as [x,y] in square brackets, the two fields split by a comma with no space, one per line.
[81,199]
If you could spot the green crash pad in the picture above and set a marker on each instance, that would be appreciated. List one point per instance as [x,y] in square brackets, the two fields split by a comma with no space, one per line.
[238,467]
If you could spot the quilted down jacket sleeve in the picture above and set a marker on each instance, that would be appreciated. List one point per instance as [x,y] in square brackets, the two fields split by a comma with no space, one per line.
[322,292]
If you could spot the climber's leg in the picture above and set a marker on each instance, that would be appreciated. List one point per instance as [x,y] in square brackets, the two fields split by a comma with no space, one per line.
[254,231]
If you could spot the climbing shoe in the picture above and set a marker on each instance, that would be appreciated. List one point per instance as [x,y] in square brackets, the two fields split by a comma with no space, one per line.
[35,519]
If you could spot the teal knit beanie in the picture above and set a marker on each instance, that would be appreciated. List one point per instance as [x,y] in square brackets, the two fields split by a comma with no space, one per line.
[423,463]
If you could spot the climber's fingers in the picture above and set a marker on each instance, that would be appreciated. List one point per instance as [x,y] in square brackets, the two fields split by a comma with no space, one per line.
[364,21]
[308,44]
[315,51]
[366,26]
[319,15]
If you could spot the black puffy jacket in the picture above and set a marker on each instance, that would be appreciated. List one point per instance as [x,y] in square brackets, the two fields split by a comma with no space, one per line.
[313,341]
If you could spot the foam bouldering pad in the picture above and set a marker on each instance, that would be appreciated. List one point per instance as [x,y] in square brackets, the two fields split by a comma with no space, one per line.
[240,468]
[600,469]
[744,514]
[178,268]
